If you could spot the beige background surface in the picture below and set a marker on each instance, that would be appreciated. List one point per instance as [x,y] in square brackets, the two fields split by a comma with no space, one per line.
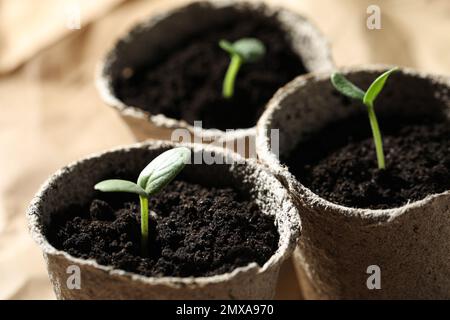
[50,112]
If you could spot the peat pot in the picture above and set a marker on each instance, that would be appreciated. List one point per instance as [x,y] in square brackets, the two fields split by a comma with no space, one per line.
[359,253]
[73,185]
[149,41]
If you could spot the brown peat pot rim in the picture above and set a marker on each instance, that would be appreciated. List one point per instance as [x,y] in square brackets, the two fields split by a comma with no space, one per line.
[309,198]
[317,57]
[288,230]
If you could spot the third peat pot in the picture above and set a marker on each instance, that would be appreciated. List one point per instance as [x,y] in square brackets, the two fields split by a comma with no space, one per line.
[367,232]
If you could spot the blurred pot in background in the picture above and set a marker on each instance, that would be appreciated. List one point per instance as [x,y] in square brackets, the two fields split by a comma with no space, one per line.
[167,72]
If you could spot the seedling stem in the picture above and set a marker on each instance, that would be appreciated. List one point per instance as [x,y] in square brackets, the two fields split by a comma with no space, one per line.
[376,136]
[143,201]
[230,77]
[245,50]
[350,90]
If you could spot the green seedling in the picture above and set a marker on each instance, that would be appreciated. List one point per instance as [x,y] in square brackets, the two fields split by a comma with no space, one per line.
[155,176]
[245,50]
[344,86]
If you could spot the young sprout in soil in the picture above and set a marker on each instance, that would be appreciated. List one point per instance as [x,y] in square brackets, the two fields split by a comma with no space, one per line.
[348,89]
[245,50]
[155,176]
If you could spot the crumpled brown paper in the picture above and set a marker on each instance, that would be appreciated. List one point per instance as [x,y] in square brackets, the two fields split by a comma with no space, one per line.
[51,114]
[27,27]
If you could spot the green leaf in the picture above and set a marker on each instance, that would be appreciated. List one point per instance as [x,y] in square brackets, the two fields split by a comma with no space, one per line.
[250,49]
[344,86]
[376,87]
[117,185]
[158,173]
[227,46]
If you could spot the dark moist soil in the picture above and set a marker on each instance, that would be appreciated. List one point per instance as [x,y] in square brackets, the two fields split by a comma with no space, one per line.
[187,83]
[198,232]
[340,164]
